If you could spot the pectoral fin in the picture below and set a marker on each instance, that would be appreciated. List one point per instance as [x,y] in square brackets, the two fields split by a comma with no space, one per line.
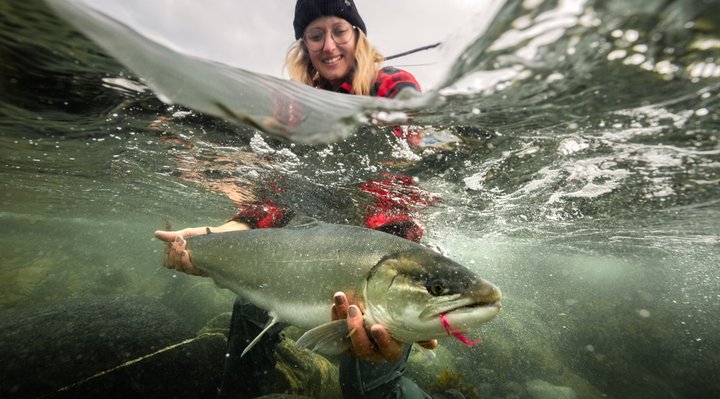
[328,339]
[428,354]
[270,323]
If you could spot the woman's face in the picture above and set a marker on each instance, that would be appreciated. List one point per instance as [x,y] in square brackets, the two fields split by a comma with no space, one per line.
[332,60]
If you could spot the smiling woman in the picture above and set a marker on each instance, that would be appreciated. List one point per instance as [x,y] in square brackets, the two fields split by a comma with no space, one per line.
[331,60]
[228,31]
[319,61]
[331,52]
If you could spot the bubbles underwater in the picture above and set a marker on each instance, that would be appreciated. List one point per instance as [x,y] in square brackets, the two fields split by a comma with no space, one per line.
[585,184]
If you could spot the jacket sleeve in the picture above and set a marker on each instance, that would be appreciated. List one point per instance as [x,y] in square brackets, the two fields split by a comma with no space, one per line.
[391,81]
[262,215]
[394,199]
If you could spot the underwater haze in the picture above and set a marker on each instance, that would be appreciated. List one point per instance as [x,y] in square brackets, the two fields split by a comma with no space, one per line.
[577,168]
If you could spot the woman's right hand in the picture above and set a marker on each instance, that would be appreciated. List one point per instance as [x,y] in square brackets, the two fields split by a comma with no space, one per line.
[369,342]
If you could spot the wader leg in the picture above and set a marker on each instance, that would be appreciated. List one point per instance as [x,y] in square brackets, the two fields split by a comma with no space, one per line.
[361,379]
[251,375]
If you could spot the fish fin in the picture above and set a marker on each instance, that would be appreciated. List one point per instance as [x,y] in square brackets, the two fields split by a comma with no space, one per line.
[428,354]
[328,339]
[270,323]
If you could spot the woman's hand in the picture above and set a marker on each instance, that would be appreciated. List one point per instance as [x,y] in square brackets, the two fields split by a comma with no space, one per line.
[177,255]
[382,346]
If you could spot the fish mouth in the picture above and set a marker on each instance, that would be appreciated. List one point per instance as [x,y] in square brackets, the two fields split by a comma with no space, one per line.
[459,305]
[472,306]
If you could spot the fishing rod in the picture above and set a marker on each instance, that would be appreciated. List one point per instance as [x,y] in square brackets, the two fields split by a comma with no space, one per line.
[404,53]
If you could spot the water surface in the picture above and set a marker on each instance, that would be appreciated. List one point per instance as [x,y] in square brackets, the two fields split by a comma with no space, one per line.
[585,184]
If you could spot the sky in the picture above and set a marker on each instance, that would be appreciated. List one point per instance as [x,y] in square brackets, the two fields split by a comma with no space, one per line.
[256,35]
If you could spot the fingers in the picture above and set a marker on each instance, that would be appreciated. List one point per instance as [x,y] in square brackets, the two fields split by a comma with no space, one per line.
[360,343]
[432,344]
[374,344]
[177,249]
[167,236]
[177,257]
[340,308]
[387,346]
[187,266]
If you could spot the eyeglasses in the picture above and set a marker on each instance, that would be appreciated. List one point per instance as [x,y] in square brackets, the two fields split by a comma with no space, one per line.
[314,39]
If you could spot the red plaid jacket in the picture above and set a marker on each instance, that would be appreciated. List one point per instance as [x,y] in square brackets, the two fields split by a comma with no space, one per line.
[388,83]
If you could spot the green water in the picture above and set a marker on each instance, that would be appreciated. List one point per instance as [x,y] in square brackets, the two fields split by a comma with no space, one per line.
[586,186]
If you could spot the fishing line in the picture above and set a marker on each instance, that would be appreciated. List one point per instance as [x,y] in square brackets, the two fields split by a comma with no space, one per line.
[415,50]
[126,364]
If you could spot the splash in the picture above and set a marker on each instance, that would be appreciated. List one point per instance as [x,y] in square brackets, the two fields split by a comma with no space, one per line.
[465,340]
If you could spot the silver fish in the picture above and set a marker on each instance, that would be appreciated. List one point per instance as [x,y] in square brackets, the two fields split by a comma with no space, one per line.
[293,272]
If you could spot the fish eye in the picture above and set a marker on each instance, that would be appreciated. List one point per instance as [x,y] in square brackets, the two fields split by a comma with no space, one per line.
[436,287]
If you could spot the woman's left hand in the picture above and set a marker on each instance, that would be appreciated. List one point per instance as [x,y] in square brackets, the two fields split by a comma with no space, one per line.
[177,254]
[382,346]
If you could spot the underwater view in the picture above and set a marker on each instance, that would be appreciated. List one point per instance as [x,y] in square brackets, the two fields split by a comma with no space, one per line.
[573,160]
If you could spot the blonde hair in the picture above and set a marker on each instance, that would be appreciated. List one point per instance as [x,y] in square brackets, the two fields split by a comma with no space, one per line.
[368,62]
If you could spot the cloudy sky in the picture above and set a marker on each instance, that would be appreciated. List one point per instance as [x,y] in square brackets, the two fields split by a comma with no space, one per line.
[255,35]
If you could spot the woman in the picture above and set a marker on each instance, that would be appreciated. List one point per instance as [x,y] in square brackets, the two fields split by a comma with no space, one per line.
[331,52]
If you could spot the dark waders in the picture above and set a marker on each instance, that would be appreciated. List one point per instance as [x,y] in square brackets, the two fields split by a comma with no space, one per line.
[251,376]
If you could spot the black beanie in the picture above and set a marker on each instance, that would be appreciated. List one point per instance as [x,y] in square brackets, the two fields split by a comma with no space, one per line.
[307,11]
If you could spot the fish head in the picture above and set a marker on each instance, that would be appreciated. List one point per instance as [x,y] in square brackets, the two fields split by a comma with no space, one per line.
[417,293]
